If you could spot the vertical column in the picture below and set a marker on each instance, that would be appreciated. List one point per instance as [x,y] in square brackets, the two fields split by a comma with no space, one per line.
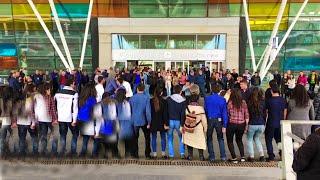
[287,151]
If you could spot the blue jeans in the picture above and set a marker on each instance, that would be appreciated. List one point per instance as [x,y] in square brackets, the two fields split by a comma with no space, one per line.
[85,140]
[146,89]
[154,141]
[217,125]
[3,138]
[63,129]
[22,132]
[254,134]
[135,86]
[175,125]
[43,128]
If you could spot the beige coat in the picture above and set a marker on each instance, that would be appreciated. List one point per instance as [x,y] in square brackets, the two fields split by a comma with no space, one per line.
[197,139]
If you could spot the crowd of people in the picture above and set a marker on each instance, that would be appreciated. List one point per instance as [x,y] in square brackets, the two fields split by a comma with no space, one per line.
[111,106]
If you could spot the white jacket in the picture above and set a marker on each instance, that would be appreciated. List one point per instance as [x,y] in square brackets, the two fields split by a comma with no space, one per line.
[40,109]
[127,86]
[67,105]
[100,91]
[89,128]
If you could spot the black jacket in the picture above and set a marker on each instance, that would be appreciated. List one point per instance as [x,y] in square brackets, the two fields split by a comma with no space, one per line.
[159,118]
[177,108]
[306,161]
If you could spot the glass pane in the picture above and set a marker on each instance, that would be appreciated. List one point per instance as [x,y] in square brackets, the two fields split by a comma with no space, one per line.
[72,24]
[264,23]
[187,1]
[6,20]
[41,62]
[75,50]
[211,41]
[304,37]
[262,37]
[72,37]
[120,65]
[150,10]
[301,63]
[311,50]
[31,37]
[87,62]
[148,1]
[7,49]
[125,41]
[159,66]
[37,49]
[188,10]
[24,18]
[7,37]
[224,10]
[266,9]
[311,9]
[182,41]
[306,23]
[72,10]
[113,10]
[154,41]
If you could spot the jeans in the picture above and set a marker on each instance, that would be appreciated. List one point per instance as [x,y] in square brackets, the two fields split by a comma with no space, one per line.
[175,125]
[43,128]
[254,134]
[146,133]
[154,141]
[202,89]
[22,132]
[3,138]
[217,125]
[270,134]
[85,140]
[135,86]
[63,129]
[238,131]
[146,89]
[168,88]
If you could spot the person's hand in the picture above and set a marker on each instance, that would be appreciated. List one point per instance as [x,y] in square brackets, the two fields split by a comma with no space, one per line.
[33,126]
[224,130]
[14,125]
[148,126]
[73,124]
[246,129]
[54,123]
[166,127]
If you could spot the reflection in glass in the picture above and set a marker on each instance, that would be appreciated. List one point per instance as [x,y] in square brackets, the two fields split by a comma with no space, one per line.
[125,41]
[148,10]
[154,41]
[217,41]
[37,49]
[188,10]
[7,49]
[182,41]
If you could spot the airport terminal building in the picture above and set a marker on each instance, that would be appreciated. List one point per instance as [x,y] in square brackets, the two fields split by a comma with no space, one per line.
[160,34]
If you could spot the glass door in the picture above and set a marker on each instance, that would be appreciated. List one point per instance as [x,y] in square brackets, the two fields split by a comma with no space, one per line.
[159,66]
[120,65]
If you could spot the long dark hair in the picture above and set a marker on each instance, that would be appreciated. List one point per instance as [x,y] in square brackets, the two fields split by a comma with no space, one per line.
[236,98]
[42,88]
[6,95]
[88,91]
[121,95]
[156,98]
[254,102]
[300,96]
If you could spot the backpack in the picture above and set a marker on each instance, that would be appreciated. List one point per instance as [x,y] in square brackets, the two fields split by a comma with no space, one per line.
[190,122]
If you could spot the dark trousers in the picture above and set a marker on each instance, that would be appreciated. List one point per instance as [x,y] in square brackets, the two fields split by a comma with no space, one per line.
[190,152]
[113,147]
[22,132]
[270,134]
[311,87]
[43,128]
[63,129]
[238,131]
[129,147]
[208,88]
[215,124]
[85,141]
[146,133]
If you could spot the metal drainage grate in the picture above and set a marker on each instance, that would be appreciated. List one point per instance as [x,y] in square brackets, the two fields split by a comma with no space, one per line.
[155,163]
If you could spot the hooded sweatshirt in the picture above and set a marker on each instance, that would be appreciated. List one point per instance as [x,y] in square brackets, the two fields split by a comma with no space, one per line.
[176,108]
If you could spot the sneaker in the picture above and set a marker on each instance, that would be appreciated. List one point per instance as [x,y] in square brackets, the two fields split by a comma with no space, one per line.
[234,161]
[164,157]
[262,159]
[201,158]
[189,158]
[243,159]
[250,159]
[270,159]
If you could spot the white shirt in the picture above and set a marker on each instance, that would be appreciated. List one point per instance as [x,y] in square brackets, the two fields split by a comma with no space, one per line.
[40,109]
[100,91]
[67,105]
[127,86]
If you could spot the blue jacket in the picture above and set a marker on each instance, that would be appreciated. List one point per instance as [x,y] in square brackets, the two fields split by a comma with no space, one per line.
[201,80]
[216,107]
[85,111]
[111,86]
[192,79]
[140,109]
[177,108]
[125,122]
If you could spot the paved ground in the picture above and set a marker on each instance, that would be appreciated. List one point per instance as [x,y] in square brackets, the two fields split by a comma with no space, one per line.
[133,172]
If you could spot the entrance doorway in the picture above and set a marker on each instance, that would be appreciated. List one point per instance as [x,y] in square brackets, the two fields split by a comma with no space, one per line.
[180,65]
[159,65]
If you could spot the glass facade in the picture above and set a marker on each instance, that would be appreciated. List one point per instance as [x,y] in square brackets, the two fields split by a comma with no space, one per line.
[20,29]
[21,33]
[168,41]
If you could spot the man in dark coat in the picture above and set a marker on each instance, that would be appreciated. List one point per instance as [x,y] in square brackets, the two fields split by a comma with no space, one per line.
[306,161]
